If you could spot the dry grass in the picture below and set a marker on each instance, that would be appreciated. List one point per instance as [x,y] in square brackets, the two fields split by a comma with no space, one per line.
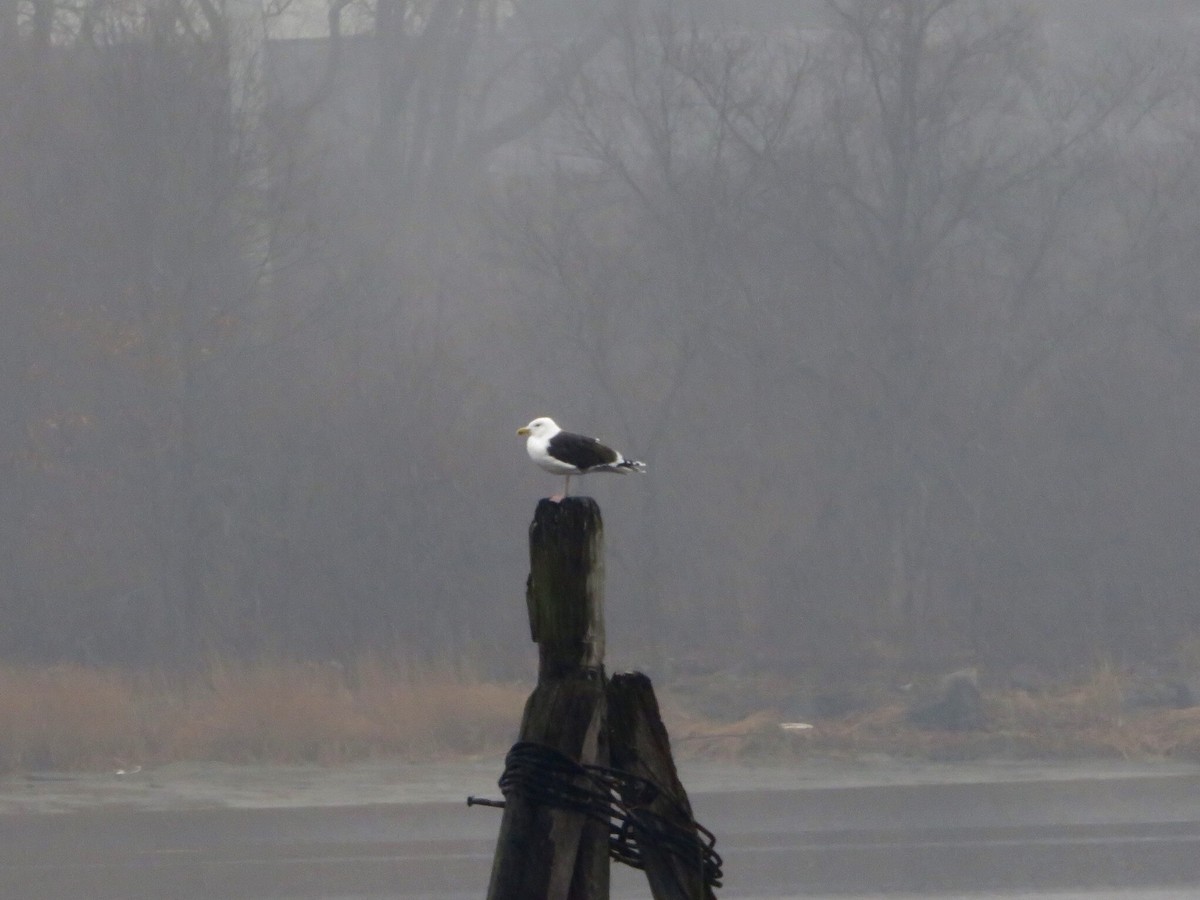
[76,717]
[65,717]
[1086,719]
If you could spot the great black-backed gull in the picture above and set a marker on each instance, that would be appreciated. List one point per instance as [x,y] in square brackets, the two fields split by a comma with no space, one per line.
[564,453]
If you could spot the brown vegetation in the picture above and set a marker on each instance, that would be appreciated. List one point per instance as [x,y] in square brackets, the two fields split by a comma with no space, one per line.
[81,718]
[76,717]
[1084,719]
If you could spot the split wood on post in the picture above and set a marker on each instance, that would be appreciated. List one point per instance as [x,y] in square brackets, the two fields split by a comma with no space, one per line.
[640,746]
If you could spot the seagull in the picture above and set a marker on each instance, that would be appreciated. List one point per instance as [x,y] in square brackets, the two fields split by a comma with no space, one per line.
[564,453]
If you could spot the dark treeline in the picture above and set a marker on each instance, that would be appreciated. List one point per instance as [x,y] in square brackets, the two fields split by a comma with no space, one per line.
[898,298]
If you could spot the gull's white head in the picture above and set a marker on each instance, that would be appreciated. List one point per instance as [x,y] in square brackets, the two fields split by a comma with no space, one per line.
[543,426]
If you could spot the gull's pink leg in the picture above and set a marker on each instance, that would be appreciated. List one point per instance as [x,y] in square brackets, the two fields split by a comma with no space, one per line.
[560,497]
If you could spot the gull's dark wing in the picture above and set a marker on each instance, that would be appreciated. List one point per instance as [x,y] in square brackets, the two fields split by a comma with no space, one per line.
[581,451]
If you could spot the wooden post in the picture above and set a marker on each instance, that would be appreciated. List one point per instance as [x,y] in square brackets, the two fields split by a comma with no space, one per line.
[565,589]
[543,852]
[640,746]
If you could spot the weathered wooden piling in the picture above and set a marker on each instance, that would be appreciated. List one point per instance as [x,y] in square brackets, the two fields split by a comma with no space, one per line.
[542,851]
[640,746]
[565,588]
[549,848]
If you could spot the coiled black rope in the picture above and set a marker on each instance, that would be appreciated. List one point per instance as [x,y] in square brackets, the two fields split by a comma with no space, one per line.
[621,800]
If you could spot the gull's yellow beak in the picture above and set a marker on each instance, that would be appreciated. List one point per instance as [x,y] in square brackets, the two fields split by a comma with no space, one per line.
[523,431]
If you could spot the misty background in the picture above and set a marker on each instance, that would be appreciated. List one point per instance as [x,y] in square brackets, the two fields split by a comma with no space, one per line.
[897,298]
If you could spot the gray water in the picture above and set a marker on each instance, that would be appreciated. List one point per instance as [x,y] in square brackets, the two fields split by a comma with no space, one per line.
[875,831]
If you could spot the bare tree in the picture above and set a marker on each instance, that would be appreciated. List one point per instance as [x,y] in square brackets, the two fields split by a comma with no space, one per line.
[855,216]
[938,120]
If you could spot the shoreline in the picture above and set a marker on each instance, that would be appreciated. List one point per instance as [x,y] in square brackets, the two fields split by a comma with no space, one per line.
[205,785]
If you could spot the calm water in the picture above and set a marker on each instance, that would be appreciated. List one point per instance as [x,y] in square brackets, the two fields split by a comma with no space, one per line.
[887,832]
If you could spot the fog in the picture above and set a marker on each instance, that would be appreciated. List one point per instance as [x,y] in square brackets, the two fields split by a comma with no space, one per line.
[896,299]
